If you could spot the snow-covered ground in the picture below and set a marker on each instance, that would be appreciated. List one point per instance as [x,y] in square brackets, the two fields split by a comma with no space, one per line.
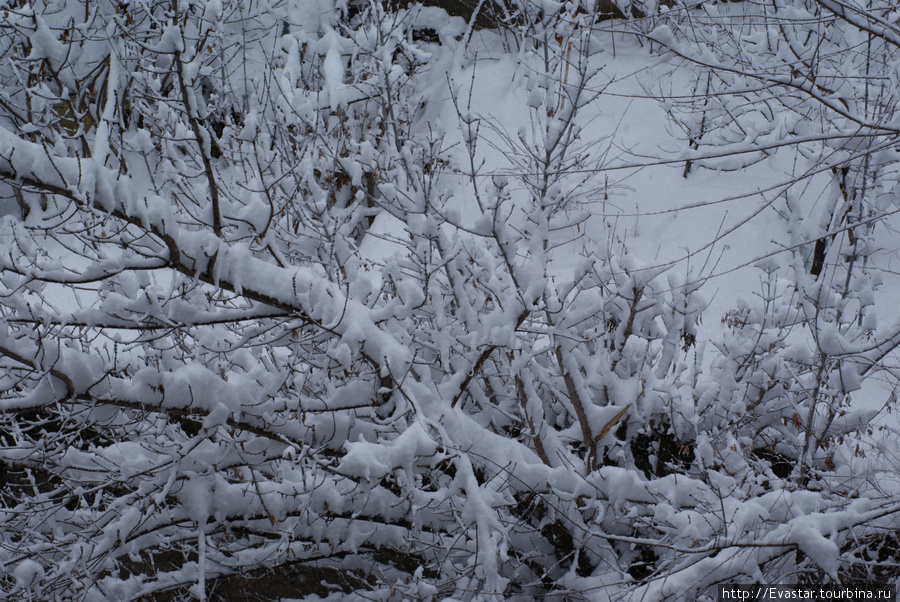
[724,222]
[713,225]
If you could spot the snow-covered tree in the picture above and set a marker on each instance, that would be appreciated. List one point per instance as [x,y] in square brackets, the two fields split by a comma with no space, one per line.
[280,310]
[811,87]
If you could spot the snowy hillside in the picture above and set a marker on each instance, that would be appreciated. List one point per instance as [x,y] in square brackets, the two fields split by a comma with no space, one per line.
[317,299]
